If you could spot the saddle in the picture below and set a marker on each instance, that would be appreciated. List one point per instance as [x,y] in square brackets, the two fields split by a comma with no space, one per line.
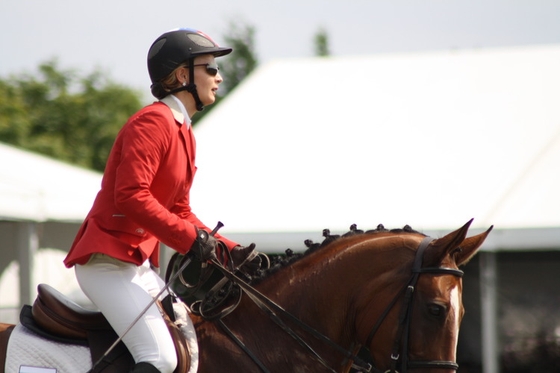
[58,318]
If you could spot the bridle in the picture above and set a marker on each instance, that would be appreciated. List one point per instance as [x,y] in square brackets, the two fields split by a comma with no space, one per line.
[406,315]
[403,327]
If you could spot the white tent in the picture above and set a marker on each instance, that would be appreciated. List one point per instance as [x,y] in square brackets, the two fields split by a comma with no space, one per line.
[38,188]
[429,139]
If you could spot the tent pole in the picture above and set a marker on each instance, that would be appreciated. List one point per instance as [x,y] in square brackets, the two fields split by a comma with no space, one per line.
[489,310]
[27,246]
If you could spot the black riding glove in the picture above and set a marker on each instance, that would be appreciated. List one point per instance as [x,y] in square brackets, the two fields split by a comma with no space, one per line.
[204,247]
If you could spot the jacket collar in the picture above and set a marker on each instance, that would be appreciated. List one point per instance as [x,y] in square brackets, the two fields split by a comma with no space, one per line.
[177,109]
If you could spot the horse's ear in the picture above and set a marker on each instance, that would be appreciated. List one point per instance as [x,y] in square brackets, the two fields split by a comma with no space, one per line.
[443,246]
[469,247]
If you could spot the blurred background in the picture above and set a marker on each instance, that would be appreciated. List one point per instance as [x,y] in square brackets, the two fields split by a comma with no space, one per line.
[334,112]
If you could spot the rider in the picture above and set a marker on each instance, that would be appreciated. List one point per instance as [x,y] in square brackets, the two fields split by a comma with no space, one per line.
[144,200]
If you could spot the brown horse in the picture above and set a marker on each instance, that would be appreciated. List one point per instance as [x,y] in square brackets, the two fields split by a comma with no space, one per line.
[396,293]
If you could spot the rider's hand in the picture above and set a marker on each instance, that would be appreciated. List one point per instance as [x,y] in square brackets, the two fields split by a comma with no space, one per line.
[204,247]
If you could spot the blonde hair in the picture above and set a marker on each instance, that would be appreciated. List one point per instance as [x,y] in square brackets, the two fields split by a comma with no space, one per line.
[162,88]
[171,81]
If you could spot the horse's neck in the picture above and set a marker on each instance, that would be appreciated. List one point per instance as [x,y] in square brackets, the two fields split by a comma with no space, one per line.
[322,288]
[328,290]
[330,286]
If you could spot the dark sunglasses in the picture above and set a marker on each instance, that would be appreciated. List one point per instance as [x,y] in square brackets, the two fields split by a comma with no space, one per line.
[211,68]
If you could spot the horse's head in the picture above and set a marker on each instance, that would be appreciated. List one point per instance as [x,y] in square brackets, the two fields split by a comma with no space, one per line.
[418,330]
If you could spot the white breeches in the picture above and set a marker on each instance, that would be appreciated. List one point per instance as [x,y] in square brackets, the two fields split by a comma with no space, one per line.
[121,291]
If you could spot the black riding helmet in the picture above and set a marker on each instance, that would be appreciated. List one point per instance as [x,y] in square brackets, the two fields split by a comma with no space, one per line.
[174,48]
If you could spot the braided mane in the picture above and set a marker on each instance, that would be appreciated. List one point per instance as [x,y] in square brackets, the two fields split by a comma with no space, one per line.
[280,261]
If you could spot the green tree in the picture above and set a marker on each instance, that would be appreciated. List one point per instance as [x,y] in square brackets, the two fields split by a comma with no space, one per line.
[236,66]
[63,115]
[14,119]
[321,40]
[243,60]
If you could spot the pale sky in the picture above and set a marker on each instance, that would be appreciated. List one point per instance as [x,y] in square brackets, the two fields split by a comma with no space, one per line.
[115,35]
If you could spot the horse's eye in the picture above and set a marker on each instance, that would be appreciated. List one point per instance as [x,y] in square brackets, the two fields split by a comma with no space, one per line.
[436,310]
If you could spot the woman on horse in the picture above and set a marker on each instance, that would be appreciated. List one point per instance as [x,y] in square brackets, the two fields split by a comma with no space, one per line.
[144,200]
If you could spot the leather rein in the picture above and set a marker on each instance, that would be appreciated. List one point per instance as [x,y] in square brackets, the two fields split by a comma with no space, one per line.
[274,310]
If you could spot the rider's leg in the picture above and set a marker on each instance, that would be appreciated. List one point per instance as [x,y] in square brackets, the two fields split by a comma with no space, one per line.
[121,291]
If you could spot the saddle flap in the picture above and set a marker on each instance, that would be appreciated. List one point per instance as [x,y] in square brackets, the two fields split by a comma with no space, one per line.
[181,344]
[26,319]
[59,315]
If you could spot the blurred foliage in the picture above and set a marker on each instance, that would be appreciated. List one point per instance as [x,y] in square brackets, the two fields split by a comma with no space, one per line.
[236,66]
[243,60]
[75,118]
[321,40]
[61,114]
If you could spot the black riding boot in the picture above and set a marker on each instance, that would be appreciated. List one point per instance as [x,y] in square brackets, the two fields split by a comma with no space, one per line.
[144,368]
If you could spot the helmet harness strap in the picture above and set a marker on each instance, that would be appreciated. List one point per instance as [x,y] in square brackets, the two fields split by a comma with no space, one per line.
[191,87]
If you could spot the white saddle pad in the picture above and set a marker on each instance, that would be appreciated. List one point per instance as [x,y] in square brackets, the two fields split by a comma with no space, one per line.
[28,352]
[31,353]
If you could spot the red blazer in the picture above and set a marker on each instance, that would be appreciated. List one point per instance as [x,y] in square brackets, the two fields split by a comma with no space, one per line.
[144,196]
